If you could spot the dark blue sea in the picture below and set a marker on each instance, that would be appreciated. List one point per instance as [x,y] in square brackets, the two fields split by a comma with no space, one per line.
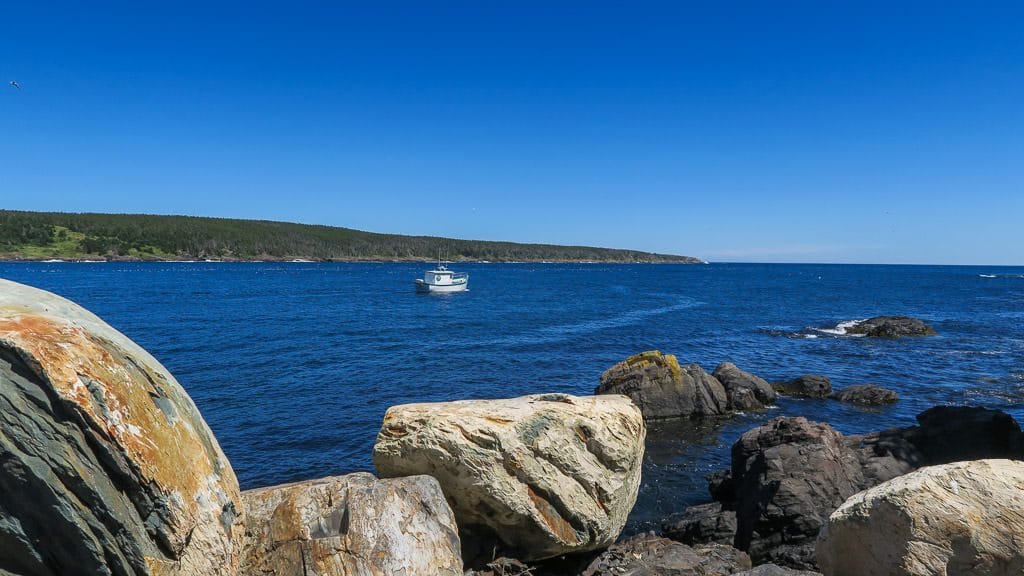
[294,364]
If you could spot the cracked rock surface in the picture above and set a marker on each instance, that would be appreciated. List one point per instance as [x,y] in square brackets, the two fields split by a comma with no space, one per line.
[353,524]
[106,466]
[536,476]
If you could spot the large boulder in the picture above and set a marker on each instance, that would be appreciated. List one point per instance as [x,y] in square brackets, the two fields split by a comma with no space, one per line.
[354,524]
[865,395]
[650,555]
[789,475]
[806,386]
[106,466]
[540,475]
[958,519]
[664,389]
[744,390]
[891,327]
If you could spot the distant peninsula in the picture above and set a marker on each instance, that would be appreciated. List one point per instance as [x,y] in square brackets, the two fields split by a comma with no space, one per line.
[147,237]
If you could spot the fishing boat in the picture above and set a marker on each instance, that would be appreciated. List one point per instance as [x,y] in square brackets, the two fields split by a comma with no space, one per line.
[443,280]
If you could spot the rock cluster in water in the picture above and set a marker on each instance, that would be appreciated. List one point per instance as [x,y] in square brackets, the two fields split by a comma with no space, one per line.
[663,389]
[106,467]
[892,327]
[789,475]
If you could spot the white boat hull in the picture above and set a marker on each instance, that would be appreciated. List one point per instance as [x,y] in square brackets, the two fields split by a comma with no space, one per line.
[425,287]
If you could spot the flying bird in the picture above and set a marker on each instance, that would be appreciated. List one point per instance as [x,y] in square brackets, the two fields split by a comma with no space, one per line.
[15,84]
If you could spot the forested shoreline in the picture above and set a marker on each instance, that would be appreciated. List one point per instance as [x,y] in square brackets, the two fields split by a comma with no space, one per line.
[60,235]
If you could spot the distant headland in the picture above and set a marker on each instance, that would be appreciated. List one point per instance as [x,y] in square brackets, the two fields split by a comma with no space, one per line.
[147,237]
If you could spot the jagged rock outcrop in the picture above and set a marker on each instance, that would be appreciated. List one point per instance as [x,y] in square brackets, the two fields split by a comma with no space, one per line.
[354,524]
[650,555]
[956,519]
[664,389]
[107,465]
[789,475]
[744,390]
[540,475]
[892,327]
[807,386]
[865,395]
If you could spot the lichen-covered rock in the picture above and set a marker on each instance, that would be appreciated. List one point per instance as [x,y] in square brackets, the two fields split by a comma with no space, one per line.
[107,466]
[891,327]
[650,555]
[545,475]
[866,395]
[806,386]
[664,389]
[956,519]
[744,390]
[354,524]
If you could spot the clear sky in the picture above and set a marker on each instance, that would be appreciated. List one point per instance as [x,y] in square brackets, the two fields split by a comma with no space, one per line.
[747,131]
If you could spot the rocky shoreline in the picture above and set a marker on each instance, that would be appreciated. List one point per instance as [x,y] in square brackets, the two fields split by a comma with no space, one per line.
[108,468]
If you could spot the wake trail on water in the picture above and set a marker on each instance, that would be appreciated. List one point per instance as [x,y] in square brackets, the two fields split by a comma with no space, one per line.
[564,332]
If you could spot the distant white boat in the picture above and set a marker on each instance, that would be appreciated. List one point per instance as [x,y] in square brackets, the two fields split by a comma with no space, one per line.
[442,280]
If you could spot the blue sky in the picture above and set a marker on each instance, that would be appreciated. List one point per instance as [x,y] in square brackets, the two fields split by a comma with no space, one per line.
[744,131]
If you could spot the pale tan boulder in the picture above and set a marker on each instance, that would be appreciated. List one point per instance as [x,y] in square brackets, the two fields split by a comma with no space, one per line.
[351,525]
[108,467]
[965,518]
[546,474]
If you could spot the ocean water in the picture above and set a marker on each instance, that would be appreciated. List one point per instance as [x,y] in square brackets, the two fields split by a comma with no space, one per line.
[294,364]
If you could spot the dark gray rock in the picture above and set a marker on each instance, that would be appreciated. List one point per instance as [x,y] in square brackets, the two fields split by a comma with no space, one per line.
[806,386]
[720,486]
[702,524]
[866,395]
[664,389]
[789,475]
[775,570]
[744,390]
[955,433]
[650,555]
[892,327]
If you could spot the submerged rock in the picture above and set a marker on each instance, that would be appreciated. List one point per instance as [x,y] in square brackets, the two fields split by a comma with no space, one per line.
[650,555]
[744,390]
[891,327]
[807,386]
[538,476]
[354,524]
[960,518]
[107,465]
[664,389]
[866,395]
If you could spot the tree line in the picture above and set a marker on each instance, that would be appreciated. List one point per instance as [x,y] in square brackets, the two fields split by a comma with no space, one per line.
[120,235]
